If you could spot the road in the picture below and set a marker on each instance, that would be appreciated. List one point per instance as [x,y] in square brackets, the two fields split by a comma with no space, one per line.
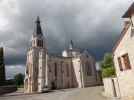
[90,93]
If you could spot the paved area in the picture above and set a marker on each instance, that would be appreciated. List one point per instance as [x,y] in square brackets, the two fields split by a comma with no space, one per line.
[90,93]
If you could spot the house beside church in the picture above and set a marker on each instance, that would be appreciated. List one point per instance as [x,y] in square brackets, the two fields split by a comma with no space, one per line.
[122,86]
[71,69]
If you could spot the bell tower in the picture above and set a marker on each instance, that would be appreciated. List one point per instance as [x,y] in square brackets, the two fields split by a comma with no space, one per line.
[37,45]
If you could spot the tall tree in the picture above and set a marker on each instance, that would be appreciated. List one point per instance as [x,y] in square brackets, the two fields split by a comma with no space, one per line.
[107,66]
[18,79]
[107,61]
[2,68]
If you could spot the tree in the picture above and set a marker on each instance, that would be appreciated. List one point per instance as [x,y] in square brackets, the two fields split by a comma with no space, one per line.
[18,79]
[108,72]
[107,66]
[107,61]
[2,68]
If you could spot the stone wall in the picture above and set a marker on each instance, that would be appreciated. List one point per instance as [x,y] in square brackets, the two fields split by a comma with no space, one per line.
[110,91]
[62,79]
[8,89]
[125,77]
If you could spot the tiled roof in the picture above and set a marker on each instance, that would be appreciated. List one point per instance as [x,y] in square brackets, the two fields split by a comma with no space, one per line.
[126,26]
[129,11]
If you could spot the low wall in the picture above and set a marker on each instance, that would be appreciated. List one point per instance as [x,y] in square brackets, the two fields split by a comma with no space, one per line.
[7,89]
[111,87]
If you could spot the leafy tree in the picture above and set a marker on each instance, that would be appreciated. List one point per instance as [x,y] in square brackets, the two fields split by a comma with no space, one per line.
[107,66]
[2,68]
[108,72]
[107,61]
[18,79]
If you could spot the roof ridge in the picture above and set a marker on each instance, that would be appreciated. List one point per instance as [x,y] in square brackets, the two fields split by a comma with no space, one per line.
[126,26]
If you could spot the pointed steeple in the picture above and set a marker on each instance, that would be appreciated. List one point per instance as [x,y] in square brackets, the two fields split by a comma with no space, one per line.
[38,30]
[38,20]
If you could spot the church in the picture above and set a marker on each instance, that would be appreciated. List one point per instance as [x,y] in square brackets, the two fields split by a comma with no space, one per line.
[70,70]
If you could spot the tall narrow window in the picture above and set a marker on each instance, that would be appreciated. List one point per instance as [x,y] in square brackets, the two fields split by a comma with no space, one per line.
[55,69]
[88,69]
[67,70]
[126,61]
[30,44]
[41,43]
[120,64]
[68,84]
[49,68]
[34,43]
[37,42]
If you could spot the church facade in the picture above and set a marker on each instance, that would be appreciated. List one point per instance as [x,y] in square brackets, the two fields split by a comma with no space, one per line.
[72,69]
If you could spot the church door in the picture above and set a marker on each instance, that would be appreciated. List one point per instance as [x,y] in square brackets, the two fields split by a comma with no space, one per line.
[53,85]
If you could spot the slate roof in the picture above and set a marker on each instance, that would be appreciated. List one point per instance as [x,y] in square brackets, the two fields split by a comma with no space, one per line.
[38,30]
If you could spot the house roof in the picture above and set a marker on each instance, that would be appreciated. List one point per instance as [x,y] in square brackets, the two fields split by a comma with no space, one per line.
[126,26]
[129,11]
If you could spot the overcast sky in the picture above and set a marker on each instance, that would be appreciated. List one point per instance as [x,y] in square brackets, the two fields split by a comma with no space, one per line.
[92,24]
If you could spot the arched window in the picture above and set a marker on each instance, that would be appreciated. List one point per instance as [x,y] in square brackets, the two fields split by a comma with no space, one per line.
[55,69]
[67,71]
[88,69]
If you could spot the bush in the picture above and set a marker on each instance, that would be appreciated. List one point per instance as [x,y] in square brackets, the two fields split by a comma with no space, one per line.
[108,72]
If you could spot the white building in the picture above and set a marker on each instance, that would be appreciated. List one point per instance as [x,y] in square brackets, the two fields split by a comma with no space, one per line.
[123,56]
[72,69]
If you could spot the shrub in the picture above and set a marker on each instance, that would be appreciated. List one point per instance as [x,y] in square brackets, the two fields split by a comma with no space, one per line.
[108,72]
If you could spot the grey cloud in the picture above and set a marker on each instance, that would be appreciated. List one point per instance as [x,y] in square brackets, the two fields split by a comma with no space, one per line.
[13,70]
[91,24]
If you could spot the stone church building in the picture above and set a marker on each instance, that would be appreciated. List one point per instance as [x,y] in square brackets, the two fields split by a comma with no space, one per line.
[72,69]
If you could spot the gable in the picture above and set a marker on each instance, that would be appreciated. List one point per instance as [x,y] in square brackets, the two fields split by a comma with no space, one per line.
[86,55]
[126,26]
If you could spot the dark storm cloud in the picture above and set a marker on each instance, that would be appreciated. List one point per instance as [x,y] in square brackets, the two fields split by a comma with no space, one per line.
[91,24]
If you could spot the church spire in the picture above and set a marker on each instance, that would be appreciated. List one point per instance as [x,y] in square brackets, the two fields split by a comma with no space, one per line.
[38,30]
[71,44]
[38,20]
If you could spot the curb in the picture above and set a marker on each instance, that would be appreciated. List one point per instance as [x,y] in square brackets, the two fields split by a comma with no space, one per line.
[5,95]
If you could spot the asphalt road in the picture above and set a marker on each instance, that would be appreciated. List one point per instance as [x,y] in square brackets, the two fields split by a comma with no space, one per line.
[90,93]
